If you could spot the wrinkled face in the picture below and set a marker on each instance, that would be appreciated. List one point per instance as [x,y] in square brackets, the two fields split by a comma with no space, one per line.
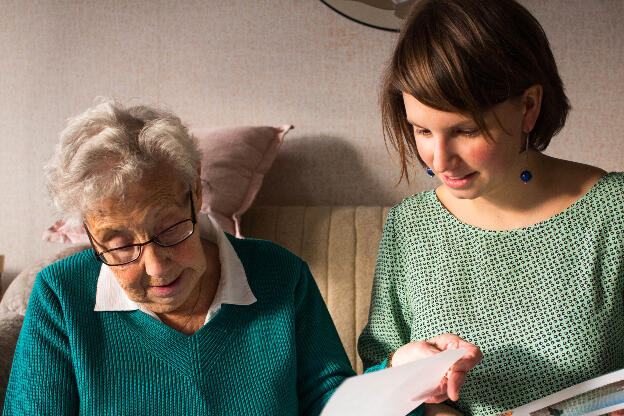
[465,159]
[163,279]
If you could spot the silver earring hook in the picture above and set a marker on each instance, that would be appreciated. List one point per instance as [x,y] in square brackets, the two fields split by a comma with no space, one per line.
[526,150]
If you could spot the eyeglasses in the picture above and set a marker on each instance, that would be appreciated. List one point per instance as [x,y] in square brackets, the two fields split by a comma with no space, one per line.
[169,237]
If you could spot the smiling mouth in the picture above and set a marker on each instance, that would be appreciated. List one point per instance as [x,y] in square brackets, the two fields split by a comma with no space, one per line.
[458,182]
[168,284]
[456,178]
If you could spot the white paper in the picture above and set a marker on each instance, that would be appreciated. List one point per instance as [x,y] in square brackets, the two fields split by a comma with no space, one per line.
[393,391]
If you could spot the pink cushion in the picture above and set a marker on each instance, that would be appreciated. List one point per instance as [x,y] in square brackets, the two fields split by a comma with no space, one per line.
[61,232]
[234,163]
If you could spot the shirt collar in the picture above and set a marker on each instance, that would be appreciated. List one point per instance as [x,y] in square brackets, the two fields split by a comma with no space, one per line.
[233,286]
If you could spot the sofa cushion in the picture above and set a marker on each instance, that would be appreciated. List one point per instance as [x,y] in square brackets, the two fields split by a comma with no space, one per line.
[340,245]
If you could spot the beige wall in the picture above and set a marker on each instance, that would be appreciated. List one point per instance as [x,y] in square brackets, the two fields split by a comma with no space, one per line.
[218,63]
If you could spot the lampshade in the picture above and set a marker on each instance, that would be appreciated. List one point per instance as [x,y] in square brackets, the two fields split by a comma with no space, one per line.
[380,14]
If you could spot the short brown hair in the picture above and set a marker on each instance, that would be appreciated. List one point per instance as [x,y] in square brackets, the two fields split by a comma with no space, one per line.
[467,56]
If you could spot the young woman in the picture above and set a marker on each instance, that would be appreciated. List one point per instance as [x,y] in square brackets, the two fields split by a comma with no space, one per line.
[518,252]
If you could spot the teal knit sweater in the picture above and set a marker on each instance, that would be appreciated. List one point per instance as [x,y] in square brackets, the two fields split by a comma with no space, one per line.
[278,356]
[544,303]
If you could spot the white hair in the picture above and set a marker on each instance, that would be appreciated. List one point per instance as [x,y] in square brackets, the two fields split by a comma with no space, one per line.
[104,150]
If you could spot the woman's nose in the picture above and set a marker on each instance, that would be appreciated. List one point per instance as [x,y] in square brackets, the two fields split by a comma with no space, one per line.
[155,260]
[443,155]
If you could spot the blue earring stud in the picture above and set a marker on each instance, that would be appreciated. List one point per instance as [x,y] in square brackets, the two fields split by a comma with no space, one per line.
[430,172]
[526,176]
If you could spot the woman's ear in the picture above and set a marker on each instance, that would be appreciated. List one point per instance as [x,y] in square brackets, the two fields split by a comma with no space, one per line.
[532,105]
[198,191]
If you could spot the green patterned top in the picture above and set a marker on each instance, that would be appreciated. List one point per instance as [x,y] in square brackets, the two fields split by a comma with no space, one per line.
[544,303]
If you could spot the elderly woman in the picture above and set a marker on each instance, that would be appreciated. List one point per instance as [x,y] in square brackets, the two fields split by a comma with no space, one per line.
[167,314]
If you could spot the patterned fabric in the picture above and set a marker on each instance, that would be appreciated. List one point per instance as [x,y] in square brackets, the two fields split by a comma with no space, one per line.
[544,303]
[278,356]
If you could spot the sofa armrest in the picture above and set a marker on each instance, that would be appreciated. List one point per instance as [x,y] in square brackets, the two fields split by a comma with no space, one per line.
[15,298]
[10,325]
[13,308]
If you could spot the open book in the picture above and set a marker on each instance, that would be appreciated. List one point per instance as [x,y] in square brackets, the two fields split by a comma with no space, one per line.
[598,396]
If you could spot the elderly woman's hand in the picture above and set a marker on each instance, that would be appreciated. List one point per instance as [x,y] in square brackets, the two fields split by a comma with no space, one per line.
[451,384]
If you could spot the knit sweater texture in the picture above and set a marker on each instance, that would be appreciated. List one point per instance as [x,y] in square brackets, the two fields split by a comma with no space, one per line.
[544,303]
[279,356]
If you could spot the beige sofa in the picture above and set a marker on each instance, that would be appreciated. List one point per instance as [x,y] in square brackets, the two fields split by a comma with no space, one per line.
[338,242]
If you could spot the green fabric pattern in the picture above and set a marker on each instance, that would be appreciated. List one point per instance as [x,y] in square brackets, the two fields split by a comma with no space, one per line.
[544,303]
[279,356]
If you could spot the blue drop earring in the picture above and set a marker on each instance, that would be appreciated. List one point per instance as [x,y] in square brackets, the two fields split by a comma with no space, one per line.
[430,172]
[526,174]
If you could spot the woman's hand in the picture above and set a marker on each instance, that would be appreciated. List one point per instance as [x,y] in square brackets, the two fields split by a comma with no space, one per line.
[451,384]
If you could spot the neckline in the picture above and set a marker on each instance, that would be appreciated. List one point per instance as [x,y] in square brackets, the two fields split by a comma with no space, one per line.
[222,321]
[537,225]
[180,351]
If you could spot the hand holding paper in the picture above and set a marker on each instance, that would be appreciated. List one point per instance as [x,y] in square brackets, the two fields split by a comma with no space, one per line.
[450,384]
[393,391]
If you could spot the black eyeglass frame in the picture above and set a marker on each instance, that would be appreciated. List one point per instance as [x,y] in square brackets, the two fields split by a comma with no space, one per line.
[154,239]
